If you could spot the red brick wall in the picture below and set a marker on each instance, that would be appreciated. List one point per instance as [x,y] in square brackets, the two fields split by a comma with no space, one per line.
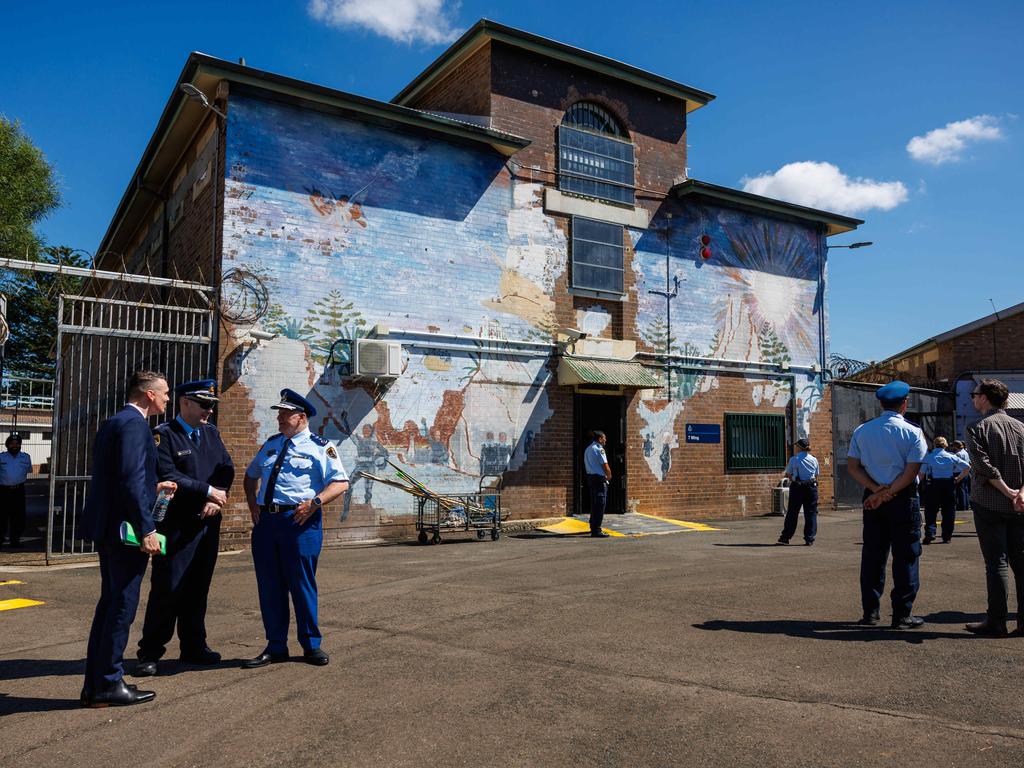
[465,90]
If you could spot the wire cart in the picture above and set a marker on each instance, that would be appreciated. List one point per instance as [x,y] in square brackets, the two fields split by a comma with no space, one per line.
[480,512]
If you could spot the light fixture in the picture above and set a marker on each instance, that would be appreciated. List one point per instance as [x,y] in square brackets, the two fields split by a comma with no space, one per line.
[196,95]
[852,245]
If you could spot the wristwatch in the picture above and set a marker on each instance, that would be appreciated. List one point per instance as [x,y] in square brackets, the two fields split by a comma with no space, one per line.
[317,501]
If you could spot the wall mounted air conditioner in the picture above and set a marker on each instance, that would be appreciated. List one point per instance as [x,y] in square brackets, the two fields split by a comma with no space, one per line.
[376,359]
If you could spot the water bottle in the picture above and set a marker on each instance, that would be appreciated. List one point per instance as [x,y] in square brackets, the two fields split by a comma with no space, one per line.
[163,500]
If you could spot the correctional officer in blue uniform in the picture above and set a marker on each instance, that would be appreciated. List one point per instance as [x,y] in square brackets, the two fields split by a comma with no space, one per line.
[802,473]
[292,477]
[940,471]
[599,474]
[885,457]
[191,453]
[124,488]
[963,481]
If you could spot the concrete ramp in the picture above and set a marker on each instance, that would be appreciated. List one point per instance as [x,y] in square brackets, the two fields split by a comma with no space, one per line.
[633,524]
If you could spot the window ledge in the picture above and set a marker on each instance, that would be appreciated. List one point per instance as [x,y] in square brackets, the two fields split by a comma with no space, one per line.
[591,294]
[633,217]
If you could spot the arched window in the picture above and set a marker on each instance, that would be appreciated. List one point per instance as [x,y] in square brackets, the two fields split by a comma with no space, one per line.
[595,156]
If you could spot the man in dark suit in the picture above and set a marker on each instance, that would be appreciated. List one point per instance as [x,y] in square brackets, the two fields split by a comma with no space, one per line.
[123,488]
[189,452]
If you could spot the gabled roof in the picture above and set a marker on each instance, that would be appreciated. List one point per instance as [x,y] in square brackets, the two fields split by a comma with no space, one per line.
[960,330]
[181,119]
[485,30]
[834,223]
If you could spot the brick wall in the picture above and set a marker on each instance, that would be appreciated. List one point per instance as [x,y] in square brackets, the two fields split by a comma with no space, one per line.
[465,90]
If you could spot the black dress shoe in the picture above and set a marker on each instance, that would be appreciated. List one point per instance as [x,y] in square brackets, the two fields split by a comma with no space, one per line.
[144,668]
[263,659]
[599,535]
[869,619]
[204,657]
[117,695]
[907,622]
[987,629]
[782,541]
[316,657]
[809,543]
[927,539]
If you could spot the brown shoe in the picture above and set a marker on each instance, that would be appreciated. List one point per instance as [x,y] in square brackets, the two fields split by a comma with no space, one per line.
[987,628]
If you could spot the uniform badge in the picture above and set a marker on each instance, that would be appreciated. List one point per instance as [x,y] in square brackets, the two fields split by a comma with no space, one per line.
[331,452]
[156,438]
[271,452]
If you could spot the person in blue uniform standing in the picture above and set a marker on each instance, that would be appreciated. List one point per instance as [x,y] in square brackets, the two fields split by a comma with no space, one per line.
[286,485]
[885,457]
[123,488]
[599,475]
[963,481]
[191,453]
[942,470]
[15,466]
[802,473]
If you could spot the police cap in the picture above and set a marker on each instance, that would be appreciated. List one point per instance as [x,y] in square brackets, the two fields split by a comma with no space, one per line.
[293,401]
[203,391]
[893,392]
[803,443]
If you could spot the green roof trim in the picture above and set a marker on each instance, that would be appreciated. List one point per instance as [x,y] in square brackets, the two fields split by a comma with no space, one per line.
[617,373]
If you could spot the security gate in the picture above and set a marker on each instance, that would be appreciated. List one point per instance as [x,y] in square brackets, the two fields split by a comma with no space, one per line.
[100,342]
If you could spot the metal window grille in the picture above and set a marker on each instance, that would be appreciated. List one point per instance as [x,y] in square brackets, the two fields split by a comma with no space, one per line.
[755,441]
[598,255]
[593,159]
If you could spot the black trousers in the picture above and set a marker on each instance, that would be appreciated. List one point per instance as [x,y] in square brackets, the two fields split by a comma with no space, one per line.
[940,495]
[12,511]
[1001,536]
[598,500]
[895,526]
[178,591]
[801,495]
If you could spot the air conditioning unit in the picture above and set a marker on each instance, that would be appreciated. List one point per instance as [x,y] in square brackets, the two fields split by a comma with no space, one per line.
[376,359]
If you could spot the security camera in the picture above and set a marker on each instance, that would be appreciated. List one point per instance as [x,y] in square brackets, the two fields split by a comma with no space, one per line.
[574,334]
[261,335]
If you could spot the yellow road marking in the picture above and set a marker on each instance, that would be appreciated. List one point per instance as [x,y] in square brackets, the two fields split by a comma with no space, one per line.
[12,581]
[572,525]
[682,523]
[10,605]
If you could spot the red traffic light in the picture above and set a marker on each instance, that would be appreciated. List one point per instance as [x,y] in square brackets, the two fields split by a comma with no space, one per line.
[705,239]
[705,242]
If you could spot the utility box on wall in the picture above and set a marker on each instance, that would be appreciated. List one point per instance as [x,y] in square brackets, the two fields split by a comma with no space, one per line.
[375,359]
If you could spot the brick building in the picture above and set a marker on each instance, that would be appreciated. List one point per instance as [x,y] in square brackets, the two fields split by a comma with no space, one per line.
[513,224]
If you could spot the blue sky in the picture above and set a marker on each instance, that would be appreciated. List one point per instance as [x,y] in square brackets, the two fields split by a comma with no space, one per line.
[905,114]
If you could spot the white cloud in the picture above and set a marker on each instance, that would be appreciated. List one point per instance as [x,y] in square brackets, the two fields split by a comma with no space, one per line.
[404,21]
[824,186]
[947,144]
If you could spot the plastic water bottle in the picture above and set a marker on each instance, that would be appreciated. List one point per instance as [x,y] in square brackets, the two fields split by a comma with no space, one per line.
[163,500]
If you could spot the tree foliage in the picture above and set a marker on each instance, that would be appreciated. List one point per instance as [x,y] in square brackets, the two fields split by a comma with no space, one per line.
[28,191]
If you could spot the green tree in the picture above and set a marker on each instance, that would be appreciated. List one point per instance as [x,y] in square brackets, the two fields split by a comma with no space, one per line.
[332,318]
[32,299]
[28,191]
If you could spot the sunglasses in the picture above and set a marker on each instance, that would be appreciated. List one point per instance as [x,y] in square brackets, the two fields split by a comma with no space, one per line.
[976,394]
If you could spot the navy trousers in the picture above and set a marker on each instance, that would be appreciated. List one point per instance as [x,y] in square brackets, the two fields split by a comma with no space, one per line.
[806,496]
[12,512]
[179,586]
[121,572]
[895,526]
[598,501]
[963,494]
[285,556]
[941,495]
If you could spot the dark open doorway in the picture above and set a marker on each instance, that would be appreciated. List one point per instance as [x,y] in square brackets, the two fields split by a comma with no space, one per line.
[607,413]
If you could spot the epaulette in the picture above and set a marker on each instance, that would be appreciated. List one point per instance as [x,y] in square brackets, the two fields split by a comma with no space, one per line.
[274,437]
[163,426]
[318,439]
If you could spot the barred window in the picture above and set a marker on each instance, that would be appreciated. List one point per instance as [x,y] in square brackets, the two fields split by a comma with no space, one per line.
[595,157]
[755,441]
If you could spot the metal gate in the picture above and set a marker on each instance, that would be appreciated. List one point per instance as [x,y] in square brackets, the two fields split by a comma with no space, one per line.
[100,342]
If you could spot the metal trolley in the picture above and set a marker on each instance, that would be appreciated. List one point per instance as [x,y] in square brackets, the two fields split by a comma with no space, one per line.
[480,512]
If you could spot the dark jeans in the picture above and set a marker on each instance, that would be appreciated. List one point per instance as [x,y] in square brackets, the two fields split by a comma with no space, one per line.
[963,494]
[805,496]
[895,526]
[598,500]
[1001,536]
[12,511]
[940,495]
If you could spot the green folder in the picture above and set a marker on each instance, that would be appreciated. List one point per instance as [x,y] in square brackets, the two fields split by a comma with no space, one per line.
[128,537]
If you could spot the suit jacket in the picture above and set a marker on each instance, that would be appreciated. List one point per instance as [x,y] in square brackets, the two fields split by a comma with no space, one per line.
[124,480]
[193,467]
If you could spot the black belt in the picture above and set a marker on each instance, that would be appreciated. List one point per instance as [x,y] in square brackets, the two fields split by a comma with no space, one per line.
[12,486]
[274,509]
[805,482]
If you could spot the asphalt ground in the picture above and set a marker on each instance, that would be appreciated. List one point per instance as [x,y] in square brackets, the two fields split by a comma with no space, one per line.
[711,648]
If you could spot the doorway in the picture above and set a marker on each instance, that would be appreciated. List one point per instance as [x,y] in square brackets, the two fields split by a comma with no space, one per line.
[608,414]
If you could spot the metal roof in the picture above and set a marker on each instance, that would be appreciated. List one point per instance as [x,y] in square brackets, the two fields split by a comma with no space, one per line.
[618,373]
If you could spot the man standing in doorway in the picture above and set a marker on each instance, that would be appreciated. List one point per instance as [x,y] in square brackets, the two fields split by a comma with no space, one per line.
[14,468]
[802,473]
[599,475]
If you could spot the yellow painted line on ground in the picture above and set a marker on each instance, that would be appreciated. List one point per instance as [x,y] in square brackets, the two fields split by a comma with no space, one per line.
[682,523]
[572,525]
[10,605]
[11,581]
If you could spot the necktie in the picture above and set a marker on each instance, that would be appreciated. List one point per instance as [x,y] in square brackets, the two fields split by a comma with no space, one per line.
[195,436]
[268,494]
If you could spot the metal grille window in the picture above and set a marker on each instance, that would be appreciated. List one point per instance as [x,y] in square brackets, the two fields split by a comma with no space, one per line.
[755,441]
[594,157]
[597,255]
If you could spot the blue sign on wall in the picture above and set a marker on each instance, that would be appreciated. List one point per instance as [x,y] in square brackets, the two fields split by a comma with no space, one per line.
[703,433]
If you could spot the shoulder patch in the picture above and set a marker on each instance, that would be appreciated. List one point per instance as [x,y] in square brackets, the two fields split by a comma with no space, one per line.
[156,438]
[318,439]
[331,452]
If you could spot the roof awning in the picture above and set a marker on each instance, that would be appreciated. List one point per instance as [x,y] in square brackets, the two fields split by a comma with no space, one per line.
[617,373]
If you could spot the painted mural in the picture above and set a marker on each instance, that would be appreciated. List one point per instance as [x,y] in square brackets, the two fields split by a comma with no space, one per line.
[349,226]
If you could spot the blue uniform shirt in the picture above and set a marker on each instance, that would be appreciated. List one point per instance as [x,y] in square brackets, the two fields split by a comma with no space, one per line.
[594,459]
[803,467]
[964,456]
[885,445]
[14,468]
[310,464]
[941,464]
